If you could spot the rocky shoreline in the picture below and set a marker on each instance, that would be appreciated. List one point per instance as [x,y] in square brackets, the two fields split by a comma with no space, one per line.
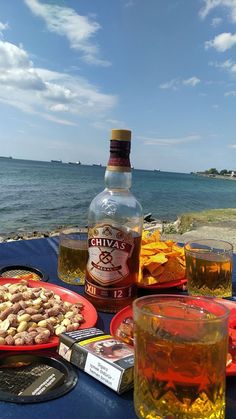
[218,224]
[29,235]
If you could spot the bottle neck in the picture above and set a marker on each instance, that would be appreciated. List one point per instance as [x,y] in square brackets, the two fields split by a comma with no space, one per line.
[117,180]
[118,172]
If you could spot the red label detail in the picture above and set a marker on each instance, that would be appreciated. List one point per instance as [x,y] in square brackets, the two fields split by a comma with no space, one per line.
[119,153]
[111,243]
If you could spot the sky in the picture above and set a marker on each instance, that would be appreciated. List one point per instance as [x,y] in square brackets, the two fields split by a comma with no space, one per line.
[70,71]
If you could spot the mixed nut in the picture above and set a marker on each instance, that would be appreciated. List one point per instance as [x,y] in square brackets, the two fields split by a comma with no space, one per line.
[32,315]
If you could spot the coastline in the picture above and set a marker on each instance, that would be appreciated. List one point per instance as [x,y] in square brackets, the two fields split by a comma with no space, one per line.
[217,223]
[215,176]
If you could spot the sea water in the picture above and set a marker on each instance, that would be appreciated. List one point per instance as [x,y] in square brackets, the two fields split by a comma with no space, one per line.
[42,196]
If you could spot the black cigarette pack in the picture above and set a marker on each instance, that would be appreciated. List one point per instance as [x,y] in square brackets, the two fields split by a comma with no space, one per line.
[101,356]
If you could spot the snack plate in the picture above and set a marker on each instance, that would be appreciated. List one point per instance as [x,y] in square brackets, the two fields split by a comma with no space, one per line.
[89,312]
[162,285]
[128,312]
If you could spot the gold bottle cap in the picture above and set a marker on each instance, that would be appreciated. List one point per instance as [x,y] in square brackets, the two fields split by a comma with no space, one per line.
[121,134]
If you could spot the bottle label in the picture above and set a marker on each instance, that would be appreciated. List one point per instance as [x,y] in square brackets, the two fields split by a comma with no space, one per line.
[109,250]
[119,156]
[110,293]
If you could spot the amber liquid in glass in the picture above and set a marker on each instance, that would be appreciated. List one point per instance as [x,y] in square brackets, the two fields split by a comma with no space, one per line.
[210,275]
[179,378]
[72,262]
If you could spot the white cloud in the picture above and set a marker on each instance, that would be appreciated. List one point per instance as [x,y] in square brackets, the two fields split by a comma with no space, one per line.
[12,56]
[225,65]
[192,81]
[59,107]
[78,29]
[3,27]
[169,141]
[216,21]
[222,42]
[172,84]
[175,84]
[233,146]
[230,93]
[228,65]
[210,5]
[43,92]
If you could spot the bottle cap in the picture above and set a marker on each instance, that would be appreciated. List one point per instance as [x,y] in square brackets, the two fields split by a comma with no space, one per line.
[121,134]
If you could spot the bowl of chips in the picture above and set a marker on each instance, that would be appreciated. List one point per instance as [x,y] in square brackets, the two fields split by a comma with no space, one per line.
[161,262]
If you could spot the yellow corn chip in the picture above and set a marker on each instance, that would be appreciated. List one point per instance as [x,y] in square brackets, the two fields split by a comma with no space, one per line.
[160,261]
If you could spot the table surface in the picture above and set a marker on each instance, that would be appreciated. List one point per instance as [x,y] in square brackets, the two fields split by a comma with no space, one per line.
[90,398]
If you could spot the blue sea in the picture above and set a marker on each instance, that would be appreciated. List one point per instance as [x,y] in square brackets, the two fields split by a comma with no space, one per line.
[42,196]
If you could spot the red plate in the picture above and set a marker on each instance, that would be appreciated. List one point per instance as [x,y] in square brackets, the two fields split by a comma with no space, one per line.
[162,285]
[231,370]
[128,312]
[89,312]
[118,318]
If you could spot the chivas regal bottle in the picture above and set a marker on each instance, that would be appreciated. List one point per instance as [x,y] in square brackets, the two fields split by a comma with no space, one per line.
[115,224]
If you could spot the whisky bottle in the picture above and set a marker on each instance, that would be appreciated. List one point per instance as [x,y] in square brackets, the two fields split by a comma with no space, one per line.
[115,222]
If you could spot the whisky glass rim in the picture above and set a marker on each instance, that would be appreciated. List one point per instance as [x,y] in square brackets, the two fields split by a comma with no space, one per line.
[204,301]
[225,247]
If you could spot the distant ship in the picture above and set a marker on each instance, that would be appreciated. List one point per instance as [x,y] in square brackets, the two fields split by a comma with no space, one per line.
[97,165]
[156,170]
[56,161]
[76,162]
[5,157]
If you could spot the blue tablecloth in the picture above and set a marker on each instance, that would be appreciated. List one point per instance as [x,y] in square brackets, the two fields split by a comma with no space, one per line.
[89,399]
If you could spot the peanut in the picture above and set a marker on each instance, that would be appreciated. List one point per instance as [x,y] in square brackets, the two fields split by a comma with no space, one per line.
[37,302]
[31,315]
[18,341]
[24,317]
[37,317]
[31,310]
[72,327]
[4,325]
[11,331]
[9,340]
[6,313]
[22,326]
[41,338]
[16,297]
[60,329]
[69,314]
[42,323]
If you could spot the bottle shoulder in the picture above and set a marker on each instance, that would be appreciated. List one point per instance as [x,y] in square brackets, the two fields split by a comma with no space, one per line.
[116,206]
[122,197]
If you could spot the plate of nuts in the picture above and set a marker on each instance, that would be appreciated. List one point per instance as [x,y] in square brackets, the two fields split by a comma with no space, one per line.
[32,316]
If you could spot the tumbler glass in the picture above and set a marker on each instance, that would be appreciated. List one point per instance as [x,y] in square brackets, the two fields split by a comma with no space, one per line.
[180,357]
[73,255]
[209,267]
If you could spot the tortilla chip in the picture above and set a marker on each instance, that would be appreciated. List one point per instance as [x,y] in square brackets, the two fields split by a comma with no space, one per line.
[160,261]
[155,245]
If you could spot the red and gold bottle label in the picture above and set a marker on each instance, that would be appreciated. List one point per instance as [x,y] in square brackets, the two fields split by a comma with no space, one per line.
[119,156]
[110,293]
[109,250]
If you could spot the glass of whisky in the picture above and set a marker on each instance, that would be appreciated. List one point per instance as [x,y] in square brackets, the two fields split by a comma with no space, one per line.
[73,255]
[180,357]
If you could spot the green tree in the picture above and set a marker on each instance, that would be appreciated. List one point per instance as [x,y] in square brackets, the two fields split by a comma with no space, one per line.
[223,172]
[213,171]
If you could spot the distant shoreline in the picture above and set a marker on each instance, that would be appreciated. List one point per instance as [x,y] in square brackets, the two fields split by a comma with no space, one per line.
[215,176]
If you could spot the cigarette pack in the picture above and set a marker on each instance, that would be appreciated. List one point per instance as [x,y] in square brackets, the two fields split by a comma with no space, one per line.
[101,356]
